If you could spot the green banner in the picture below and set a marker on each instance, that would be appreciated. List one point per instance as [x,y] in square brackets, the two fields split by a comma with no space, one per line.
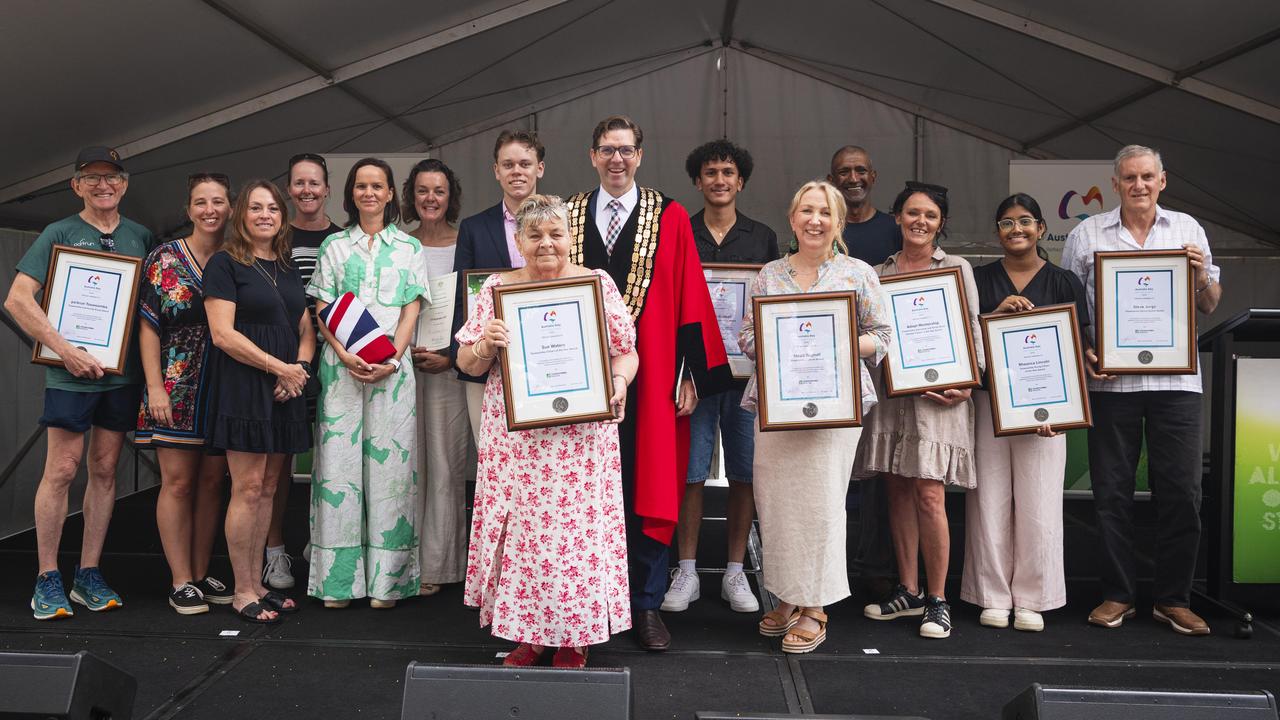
[1077,470]
[1256,541]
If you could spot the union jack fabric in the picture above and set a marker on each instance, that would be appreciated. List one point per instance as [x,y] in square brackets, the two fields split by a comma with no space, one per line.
[353,326]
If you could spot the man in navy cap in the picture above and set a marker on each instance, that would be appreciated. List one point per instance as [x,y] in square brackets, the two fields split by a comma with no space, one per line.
[80,396]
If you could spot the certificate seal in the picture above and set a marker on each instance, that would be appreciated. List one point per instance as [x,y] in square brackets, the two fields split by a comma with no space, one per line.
[931,375]
[1041,414]
[809,410]
[1145,357]
[559,404]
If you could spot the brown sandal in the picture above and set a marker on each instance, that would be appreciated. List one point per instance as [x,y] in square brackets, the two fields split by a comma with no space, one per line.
[775,624]
[808,640]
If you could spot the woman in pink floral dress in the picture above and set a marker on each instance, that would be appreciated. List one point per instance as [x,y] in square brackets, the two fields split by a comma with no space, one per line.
[547,561]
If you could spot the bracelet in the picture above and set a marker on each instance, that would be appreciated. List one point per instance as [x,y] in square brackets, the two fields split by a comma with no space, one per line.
[1206,286]
[476,352]
[624,378]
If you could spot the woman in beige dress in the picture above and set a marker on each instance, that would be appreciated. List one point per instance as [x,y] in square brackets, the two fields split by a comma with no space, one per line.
[921,443]
[801,476]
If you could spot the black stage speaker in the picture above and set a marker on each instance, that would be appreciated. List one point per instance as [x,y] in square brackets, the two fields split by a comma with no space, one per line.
[468,692]
[757,716]
[705,715]
[38,686]
[1041,702]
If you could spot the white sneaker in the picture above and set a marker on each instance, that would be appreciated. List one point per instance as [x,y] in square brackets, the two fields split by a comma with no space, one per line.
[277,572]
[735,589]
[994,617]
[1028,620]
[685,588]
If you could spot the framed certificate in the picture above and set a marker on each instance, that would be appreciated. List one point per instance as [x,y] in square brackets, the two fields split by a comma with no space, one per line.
[807,370]
[932,346]
[1036,370]
[730,286]
[91,299]
[1146,313]
[473,281]
[555,370]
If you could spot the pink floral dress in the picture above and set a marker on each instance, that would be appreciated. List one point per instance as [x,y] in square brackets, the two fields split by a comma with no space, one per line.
[547,559]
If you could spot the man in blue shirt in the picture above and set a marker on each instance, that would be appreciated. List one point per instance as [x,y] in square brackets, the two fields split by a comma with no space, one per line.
[80,395]
[870,234]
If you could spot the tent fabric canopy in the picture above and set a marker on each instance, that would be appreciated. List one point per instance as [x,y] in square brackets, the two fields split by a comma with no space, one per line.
[945,90]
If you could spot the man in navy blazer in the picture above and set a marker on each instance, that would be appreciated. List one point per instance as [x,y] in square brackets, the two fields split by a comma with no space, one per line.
[486,240]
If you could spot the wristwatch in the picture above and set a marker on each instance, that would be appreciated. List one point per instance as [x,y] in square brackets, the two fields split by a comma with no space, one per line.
[306,366]
[394,362]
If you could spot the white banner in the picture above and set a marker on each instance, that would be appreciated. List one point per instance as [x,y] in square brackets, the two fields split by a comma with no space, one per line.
[1068,191]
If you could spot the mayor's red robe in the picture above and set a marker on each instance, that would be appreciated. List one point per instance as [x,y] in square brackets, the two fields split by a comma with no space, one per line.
[655,265]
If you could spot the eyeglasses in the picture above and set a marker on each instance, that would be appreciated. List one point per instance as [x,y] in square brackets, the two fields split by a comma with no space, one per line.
[195,179]
[308,157]
[113,179]
[625,151]
[107,242]
[1022,222]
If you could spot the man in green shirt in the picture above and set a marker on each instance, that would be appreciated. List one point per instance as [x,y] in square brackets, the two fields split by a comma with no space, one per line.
[80,395]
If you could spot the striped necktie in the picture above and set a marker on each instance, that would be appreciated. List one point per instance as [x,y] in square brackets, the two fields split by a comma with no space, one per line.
[615,226]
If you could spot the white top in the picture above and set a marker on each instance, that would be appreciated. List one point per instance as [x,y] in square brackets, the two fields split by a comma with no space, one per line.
[439,260]
[603,213]
[1105,233]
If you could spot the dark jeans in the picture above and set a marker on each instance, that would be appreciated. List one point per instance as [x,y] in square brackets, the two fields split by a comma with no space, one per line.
[1170,421]
[875,558]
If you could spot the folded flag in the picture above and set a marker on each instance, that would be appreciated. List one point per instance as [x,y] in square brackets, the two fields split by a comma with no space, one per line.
[353,326]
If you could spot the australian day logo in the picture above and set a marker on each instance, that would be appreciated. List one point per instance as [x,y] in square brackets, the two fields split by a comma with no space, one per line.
[1094,195]
[1030,340]
[918,302]
[1144,281]
[549,316]
[806,327]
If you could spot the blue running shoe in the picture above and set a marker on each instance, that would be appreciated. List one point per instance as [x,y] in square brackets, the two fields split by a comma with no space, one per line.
[50,600]
[92,591]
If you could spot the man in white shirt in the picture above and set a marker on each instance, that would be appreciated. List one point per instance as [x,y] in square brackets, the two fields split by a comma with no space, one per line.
[1164,408]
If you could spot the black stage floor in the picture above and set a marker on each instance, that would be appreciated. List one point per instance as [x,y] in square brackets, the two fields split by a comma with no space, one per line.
[350,663]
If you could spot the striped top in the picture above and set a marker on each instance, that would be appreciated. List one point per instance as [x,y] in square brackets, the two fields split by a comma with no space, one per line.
[306,247]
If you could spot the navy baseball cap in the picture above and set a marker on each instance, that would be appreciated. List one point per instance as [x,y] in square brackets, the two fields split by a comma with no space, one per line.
[98,153]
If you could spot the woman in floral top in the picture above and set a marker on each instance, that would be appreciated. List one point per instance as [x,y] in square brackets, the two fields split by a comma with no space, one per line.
[801,477]
[174,340]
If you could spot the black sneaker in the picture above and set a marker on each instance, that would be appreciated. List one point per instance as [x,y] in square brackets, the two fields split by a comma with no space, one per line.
[936,622]
[214,591]
[900,604]
[187,600]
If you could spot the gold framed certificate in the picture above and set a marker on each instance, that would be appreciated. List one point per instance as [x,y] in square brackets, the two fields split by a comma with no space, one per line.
[808,373]
[932,346]
[730,287]
[90,298]
[1145,313]
[555,369]
[1035,369]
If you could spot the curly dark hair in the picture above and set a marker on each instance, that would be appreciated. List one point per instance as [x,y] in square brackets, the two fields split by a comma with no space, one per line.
[719,150]
[452,212]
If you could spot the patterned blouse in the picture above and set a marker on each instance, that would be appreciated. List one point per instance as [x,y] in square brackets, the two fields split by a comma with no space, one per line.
[840,273]
[171,302]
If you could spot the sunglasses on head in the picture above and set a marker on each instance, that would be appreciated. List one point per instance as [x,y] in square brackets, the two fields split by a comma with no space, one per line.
[307,157]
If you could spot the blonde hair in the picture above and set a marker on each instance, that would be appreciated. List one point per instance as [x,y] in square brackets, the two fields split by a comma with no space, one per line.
[237,242]
[537,209]
[835,201]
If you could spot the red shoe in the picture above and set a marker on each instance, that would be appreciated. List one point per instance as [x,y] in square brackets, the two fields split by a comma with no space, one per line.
[523,656]
[567,657]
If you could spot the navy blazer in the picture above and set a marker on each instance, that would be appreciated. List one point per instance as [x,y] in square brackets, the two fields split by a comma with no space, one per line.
[482,243]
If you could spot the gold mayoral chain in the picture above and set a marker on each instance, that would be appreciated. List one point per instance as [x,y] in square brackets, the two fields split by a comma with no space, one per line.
[643,252]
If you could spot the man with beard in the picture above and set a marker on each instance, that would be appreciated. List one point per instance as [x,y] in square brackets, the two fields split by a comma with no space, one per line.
[870,234]
[645,242]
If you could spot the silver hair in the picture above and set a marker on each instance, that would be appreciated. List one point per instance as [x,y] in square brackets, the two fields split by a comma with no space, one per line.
[538,209]
[1129,151]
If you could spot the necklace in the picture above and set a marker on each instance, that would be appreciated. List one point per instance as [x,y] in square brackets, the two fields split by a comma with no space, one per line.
[273,278]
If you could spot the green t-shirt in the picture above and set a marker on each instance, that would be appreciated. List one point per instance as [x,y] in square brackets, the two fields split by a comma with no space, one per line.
[130,239]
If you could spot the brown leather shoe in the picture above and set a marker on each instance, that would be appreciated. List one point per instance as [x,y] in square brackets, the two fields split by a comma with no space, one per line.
[1111,614]
[650,631]
[1181,619]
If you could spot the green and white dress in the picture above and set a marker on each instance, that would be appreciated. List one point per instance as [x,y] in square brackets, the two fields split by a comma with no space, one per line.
[364,484]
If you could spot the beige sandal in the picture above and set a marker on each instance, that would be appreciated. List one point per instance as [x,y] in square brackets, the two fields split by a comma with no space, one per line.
[808,640]
[428,589]
[775,624]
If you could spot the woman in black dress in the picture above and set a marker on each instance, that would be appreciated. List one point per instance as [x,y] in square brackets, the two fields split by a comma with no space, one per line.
[1013,519]
[264,343]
